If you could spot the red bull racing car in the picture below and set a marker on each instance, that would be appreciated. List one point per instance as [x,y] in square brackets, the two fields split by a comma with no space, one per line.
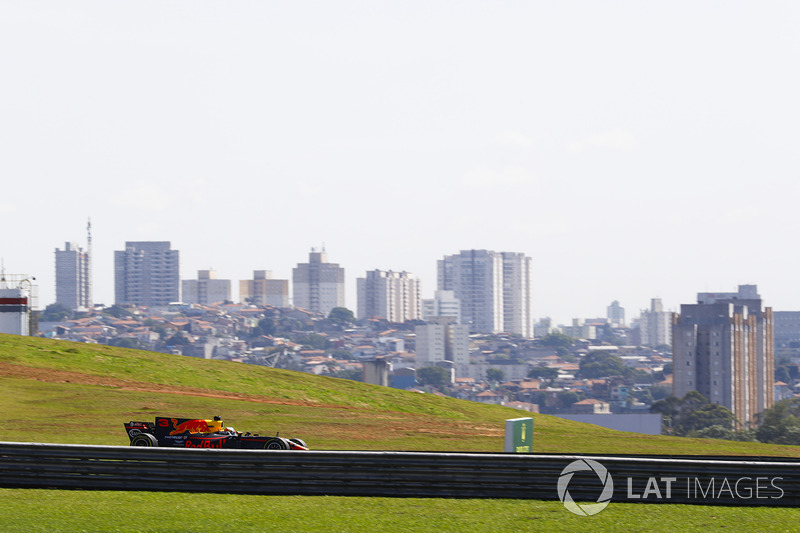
[199,433]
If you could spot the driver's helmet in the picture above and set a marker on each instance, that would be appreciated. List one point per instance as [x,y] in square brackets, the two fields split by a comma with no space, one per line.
[230,430]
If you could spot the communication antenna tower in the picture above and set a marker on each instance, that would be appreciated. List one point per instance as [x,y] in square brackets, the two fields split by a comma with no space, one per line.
[89,302]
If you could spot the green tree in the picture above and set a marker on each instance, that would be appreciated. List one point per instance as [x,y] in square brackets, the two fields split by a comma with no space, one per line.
[435,376]
[782,374]
[780,424]
[693,413]
[54,312]
[341,316]
[568,397]
[643,395]
[713,432]
[601,365]
[634,375]
[341,353]
[266,326]
[705,416]
[353,374]
[557,340]
[494,374]
[314,341]
[178,339]
[117,311]
[659,392]
[543,372]
[125,342]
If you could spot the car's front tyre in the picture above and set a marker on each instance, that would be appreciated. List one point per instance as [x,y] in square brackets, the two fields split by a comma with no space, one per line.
[276,443]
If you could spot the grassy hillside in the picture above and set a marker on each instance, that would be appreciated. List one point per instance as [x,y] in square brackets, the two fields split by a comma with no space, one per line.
[57,391]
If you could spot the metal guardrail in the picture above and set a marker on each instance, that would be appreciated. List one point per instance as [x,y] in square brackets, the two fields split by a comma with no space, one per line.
[647,479]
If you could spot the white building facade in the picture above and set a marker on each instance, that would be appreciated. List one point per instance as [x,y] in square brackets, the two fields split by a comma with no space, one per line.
[318,286]
[18,296]
[14,311]
[655,325]
[517,294]
[493,288]
[443,303]
[443,341]
[264,290]
[147,273]
[616,315]
[394,296]
[206,289]
[73,277]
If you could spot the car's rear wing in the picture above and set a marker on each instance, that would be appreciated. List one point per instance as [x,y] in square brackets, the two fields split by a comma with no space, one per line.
[134,428]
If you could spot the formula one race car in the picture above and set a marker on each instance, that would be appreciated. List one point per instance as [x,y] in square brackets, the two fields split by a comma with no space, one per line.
[198,433]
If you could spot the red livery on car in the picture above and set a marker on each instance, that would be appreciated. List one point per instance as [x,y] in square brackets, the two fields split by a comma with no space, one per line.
[201,433]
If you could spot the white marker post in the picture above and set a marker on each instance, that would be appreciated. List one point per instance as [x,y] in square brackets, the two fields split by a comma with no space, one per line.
[519,435]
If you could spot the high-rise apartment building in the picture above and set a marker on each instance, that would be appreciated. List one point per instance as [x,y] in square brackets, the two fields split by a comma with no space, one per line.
[443,340]
[443,303]
[616,315]
[318,285]
[517,294]
[147,273]
[263,290]
[723,348]
[787,328]
[494,290]
[394,296]
[206,289]
[655,325]
[73,281]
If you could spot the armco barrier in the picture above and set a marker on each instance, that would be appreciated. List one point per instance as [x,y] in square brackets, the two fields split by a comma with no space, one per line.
[646,479]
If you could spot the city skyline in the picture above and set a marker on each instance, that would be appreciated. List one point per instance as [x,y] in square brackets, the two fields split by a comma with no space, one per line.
[656,305]
[633,151]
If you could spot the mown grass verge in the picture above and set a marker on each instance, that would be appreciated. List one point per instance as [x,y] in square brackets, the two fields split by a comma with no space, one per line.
[68,511]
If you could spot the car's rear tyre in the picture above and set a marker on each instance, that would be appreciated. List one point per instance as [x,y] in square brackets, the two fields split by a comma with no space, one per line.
[301,442]
[144,439]
[276,443]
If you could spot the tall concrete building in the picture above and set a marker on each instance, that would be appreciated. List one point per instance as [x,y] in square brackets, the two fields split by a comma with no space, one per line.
[723,348]
[494,290]
[147,273]
[517,294]
[394,296]
[616,315]
[318,285]
[443,303]
[655,325]
[264,290]
[787,328]
[206,289]
[443,343]
[73,277]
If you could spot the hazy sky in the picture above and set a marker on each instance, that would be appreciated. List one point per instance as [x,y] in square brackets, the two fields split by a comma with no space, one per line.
[633,149]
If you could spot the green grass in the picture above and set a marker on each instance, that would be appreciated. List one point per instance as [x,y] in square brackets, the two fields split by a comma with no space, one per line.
[50,510]
[108,386]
